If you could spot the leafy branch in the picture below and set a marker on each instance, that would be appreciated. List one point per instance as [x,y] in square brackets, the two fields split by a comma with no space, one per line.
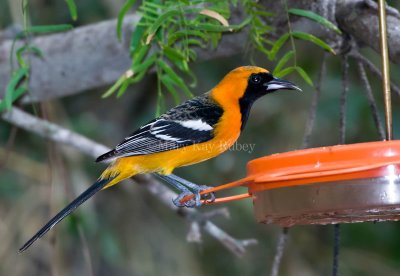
[165,38]
[280,69]
[18,84]
[167,33]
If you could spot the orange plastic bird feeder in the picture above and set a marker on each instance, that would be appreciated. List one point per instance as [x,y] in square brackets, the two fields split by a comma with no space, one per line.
[335,184]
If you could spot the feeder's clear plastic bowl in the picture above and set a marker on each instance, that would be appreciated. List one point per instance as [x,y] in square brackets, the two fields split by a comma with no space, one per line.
[337,184]
[356,200]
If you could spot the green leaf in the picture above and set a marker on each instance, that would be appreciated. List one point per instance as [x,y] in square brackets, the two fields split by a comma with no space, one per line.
[267,41]
[173,54]
[304,75]
[285,72]
[283,61]
[137,38]
[135,74]
[313,39]
[160,20]
[137,77]
[114,87]
[145,65]
[260,46]
[169,83]
[32,49]
[72,9]
[183,66]
[196,42]
[263,13]
[277,46]
[14,85]
[261,26]
[257,5]
[159,105]
[139,54]
[178,80]
[49,28]
[316,17]
[125,8]
[154,5]
[193,83]
[178,59]
[123,88]
[17,93]
[192,54]
[150,14]
[186,33]
[209,27]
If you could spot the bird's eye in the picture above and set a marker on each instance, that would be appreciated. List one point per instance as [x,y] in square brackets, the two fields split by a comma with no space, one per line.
[256,79]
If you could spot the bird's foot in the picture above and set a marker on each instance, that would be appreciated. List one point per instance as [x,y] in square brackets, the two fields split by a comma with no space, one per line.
[195,201]
[209,198]
[191,203]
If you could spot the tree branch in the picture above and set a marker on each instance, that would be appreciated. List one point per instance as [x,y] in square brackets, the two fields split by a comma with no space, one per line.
[374,69]
[84,58]
[87,57]
[92,57]
[360,20]
[61,135]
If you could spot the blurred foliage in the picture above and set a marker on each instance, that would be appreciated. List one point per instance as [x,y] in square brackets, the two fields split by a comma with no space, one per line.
[126,230]
[18,84]
[168,32]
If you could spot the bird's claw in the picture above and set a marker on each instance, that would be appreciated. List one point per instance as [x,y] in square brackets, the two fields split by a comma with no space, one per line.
[189,203]
[196,200]
[210,197]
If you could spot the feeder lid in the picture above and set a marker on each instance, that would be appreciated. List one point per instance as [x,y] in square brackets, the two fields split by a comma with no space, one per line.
[333,163]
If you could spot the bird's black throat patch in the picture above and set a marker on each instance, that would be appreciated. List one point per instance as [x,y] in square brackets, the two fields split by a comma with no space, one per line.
[245,104]
[252,93]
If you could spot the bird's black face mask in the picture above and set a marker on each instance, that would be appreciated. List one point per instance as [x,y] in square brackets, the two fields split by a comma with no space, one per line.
[259,85]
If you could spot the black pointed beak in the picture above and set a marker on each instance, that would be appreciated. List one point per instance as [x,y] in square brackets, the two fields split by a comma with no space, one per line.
[279,84]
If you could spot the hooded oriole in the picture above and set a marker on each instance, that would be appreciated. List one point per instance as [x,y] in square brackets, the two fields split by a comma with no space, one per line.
[197,130]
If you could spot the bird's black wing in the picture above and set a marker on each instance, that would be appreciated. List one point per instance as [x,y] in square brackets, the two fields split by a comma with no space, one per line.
[191,123]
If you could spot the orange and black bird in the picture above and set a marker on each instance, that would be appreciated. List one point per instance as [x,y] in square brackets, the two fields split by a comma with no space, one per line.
[196,130]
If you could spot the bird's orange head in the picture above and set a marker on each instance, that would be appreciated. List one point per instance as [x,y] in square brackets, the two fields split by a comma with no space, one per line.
[241,87]
[248,83]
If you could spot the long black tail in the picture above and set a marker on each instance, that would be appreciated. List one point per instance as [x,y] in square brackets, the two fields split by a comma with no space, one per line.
[66,211]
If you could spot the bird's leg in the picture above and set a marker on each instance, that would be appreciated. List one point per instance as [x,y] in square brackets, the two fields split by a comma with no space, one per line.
[183,181]
[184,191]
[176,184]
[196,188]
[183,185]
